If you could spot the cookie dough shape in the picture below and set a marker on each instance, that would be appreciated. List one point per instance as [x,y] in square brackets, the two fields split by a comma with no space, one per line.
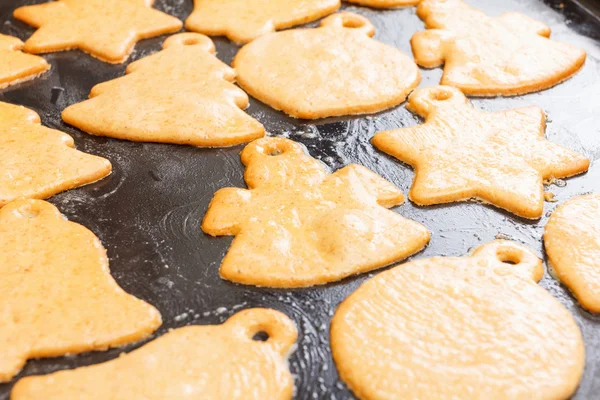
[106,29]
[384,3]
[299,225]
[461,153]
[56,293]
[506,55]
[208,362]
[16,66]
[336,69]
[452,327]
[182,94]
[244,20]
[572,241]
[38,162]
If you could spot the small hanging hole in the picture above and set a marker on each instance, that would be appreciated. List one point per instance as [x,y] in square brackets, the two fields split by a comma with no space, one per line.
[275,152]
[352,23]
[507,256]
[261,336]
[441,95]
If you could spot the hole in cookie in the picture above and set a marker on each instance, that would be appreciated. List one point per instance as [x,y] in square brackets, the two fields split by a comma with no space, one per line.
[352,23]
[190,41]
[508,256]
[274,152]
[441,95]
[261,336]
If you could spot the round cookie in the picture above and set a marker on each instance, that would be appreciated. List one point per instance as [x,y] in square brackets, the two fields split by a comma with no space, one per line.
[572,241]
[335,69]
[458,327]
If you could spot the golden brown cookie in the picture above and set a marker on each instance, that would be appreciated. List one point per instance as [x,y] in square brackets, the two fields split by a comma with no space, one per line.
[16,66]
[106,29]
[299,225]
[39,162]
[336,69]
[244,20]
[572,241]
[484,56]
[56,293]
[384,3]
[195,362]
[473,327]
[461,153]
[182,94]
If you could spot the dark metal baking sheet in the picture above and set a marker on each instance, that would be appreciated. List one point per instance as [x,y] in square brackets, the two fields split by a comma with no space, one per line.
[148,212]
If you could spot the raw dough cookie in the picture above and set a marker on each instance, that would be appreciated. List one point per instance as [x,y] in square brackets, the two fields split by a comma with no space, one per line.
[336,69]
[474,327]
[56,293]
[484,56]
[182,94]
[572,240]
[106,29]
[16,66]
[244,20]
[461,153]
[39,162]
[384,3]
[298,225]
[195,362]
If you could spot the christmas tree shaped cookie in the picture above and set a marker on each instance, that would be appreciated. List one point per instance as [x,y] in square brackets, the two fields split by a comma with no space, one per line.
[182,94]
[244,21]
[484,56]
[56,293]
[16,66]
[335,69]
[299,225]
[39,162]
[461,153]
[572,241]
[106,29]
[384,3]
[476,327]
[194,362]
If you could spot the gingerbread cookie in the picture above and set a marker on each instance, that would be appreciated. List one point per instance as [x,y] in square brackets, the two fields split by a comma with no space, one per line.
[299,225]
[384,3]
[336,69]
[572,241]
[244,21]
[473,327]
[208,362]
[106,29]
[16,66]
[39,162]
[56,293]
[461,153]
[506,55]
[182,94]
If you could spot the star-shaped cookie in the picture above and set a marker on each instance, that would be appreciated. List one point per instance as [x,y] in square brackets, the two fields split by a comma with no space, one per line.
[106,29]
[299,225]
[244,20]
[38,162]
[461,153]
[16,66]
[505,55]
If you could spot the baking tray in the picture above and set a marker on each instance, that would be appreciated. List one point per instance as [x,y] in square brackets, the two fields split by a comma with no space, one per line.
[148,212]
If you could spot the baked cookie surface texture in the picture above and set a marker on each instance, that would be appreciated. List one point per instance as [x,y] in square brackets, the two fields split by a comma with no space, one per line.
[461,153]
[475,327]
[244,20]
[384,3]
[39,162]
[572,241]
[57,296]
[16,66]
[507,55]
[335,69]
[298,225]
[194,362]
[106,29]
[182,94]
